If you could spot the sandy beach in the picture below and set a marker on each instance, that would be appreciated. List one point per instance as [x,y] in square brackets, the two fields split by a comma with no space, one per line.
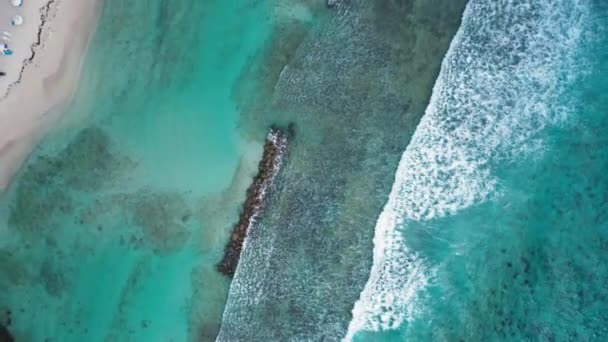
[41,74]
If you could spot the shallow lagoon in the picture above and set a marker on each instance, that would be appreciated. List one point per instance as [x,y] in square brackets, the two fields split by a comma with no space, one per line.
[113,227]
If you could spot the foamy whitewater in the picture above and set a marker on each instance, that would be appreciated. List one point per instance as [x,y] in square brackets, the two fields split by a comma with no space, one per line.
[498,88]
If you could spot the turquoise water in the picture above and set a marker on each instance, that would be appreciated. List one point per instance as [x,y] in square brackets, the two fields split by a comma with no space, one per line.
[494,228]
[496,225]
[355,88]
[113,228]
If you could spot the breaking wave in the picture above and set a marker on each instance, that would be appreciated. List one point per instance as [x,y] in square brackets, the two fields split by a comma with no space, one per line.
[498,88]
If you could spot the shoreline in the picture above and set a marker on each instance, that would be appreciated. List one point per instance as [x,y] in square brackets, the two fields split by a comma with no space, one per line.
[47,80]
[275,148]
[44,14]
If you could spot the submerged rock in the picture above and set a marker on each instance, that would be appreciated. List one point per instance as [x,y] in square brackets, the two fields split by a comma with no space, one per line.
[5,334]
[274,150]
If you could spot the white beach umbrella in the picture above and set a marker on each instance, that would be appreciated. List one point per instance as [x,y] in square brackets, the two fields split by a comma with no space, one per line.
[17,3]
[17,20]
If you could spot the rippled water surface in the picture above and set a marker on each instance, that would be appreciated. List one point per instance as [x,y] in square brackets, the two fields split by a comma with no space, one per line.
[446,180]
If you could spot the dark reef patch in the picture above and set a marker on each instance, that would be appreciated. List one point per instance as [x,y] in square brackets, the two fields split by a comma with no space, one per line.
[52,279]
[86,164]
[163,218]
[5,334]
[12,270]
[91,151]
[73,184]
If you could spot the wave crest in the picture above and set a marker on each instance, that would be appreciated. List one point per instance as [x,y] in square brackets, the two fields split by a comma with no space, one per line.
[498,88]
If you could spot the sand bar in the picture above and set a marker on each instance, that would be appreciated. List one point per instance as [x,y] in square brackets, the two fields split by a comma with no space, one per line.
[41,74]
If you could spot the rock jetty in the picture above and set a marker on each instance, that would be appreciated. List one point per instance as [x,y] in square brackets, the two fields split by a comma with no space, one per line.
[275,148]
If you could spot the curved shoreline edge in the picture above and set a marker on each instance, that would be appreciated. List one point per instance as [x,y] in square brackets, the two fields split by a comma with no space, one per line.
[275,148]
[44,16]
[48,80]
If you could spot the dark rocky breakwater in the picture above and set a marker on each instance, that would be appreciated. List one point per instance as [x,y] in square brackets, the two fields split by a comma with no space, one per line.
[275,148]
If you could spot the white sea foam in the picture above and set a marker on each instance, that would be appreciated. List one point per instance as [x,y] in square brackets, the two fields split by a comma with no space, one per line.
[497,89]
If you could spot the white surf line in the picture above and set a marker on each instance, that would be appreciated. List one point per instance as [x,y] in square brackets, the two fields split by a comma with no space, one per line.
[498,87]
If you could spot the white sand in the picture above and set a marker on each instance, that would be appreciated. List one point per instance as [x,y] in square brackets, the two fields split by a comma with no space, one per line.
[31,100]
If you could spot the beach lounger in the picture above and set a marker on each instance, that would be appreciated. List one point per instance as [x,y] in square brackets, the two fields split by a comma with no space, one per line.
[6,36]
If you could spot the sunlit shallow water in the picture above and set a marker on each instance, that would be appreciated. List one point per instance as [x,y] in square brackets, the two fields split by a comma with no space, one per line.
[113,228]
